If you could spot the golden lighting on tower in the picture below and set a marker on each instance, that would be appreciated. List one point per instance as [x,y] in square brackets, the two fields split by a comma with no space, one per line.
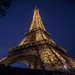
[36,21]
[38,49]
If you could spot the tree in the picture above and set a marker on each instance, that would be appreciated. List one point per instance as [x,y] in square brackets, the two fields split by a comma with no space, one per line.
[4,5]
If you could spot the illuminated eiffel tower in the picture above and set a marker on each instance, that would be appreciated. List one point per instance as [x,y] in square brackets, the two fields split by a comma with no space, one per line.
[38,50]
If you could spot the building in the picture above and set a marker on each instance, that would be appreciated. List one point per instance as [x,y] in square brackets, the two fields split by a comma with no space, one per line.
[38,50]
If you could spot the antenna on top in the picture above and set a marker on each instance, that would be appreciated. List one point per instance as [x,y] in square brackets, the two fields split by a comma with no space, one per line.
[36,6]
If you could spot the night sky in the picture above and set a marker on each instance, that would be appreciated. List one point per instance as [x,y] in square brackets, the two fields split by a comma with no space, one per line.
[58,17]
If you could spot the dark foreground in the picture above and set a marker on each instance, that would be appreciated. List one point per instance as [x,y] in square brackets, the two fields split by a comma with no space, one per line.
[19,71]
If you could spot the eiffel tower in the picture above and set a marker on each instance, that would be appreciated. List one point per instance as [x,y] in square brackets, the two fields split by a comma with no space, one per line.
[38,50]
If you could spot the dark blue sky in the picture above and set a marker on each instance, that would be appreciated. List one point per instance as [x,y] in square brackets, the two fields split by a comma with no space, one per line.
[58,17]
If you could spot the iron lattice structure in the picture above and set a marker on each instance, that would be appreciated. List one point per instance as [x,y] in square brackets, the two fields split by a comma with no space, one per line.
[38,50]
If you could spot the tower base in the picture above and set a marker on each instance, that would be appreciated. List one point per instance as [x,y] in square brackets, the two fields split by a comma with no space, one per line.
[21,71]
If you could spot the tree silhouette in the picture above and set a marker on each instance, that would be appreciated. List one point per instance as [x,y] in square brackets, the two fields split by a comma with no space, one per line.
[4,5]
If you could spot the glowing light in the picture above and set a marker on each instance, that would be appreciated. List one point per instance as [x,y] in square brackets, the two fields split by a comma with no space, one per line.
[36,21]
[65,67]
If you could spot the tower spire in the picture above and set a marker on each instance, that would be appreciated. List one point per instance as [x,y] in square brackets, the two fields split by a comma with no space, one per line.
[36,21]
